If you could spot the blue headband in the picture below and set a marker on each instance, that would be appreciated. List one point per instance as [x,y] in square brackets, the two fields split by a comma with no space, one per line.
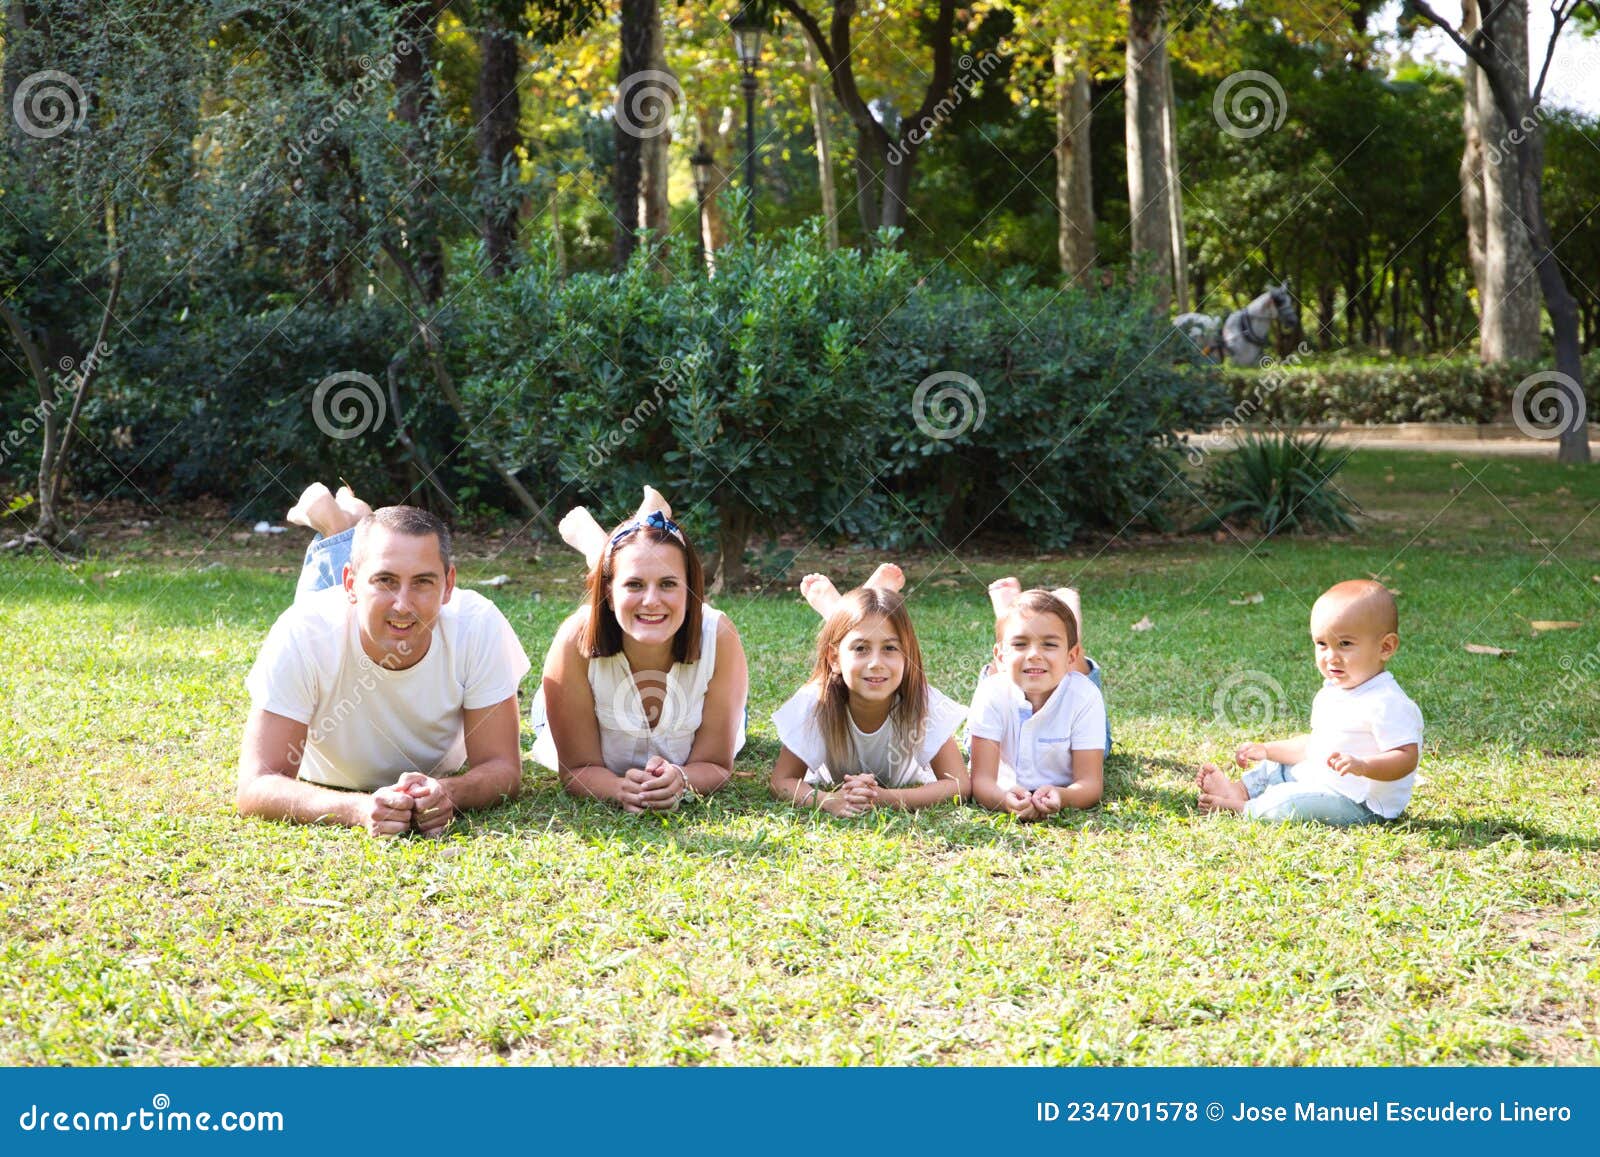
[657,520]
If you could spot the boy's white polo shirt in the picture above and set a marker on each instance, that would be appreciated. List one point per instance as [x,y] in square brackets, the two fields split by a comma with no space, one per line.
[1363,721]
[1036,746]
[368,724]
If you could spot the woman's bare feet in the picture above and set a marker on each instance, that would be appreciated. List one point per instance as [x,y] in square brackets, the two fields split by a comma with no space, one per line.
[818,590]
[583,534]
[1218,792]
[1002,593]
[652,503]
[354,507]
[318,510]
[887,577]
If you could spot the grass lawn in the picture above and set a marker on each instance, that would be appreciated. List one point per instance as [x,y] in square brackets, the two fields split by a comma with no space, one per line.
[141,921]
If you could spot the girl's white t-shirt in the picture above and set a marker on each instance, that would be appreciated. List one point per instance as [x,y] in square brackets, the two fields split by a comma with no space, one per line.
[368,724]
[1363,721]
[890,758]
[627,738]
[1036,747]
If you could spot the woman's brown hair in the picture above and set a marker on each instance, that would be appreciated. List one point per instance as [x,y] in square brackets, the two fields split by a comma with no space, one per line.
[602,634]
[908,716]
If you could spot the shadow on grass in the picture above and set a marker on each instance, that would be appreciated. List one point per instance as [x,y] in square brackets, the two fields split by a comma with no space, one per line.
[1490,830]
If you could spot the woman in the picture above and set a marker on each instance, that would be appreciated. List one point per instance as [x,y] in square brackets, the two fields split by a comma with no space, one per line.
[644,689]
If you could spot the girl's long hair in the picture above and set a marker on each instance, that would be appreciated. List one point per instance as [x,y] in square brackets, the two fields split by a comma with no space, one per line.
[908,716]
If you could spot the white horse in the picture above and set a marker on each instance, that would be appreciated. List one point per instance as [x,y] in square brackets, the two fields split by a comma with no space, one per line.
[1244,333]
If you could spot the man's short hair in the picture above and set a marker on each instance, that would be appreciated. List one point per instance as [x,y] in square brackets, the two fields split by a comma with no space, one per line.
[407,520]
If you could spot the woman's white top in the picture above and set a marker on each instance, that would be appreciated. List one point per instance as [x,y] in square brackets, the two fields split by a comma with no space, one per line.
[627,739]
[890,758]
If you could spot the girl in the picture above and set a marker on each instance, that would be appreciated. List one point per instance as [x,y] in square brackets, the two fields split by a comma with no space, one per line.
[644,689]
[867,731]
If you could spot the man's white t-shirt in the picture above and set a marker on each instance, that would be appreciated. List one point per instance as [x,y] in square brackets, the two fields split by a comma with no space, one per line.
[368,725]
[1363,721]
[1036,746]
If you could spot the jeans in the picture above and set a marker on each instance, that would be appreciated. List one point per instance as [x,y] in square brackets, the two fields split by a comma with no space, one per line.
[324,563]
[1275,796]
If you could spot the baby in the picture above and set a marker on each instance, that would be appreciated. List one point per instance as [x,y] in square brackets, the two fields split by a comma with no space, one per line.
[1359,763]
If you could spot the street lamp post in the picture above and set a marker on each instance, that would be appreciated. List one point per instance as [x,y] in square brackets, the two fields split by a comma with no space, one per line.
[747,29]
[701,161]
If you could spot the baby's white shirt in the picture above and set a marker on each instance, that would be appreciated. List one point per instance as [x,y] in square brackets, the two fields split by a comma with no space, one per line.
[1036,746]
[1363,721]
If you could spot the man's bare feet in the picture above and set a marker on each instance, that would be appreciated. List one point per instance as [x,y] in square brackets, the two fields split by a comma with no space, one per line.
[887,577]
[355,507]
[1002,593]
[317,510]
[818,590]
[652,503]
[583,534]
[1218,792]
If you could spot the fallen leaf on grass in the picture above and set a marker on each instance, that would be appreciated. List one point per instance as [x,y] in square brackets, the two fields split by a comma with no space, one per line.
[240,536]
[946,582]
[1248,600]
[1143,624]
[1485,649]
[318,902]
[499,580]
[1553,624]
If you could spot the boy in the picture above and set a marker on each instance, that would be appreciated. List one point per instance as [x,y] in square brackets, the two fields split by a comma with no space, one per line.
[1038,724]
[1359,762]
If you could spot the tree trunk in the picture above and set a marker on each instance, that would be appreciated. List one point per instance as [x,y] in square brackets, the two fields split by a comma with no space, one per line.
[416,108]
[655,207]
[825,179]
[867,204]
[714,130]
[1074,176]
[638,20]
[1169,156]
[1146,119]
[1508,295]
[1472,160]
[498,109]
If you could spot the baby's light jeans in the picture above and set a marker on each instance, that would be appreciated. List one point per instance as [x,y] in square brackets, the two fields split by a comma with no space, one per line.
[1275,796]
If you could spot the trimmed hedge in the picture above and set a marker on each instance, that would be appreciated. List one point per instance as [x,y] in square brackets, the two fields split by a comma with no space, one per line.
[780,395]
[1364,393]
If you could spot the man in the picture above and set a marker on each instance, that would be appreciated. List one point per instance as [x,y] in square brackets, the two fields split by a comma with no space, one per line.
[368,696]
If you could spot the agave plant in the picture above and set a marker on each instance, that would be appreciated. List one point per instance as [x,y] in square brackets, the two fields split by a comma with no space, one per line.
[1279,482]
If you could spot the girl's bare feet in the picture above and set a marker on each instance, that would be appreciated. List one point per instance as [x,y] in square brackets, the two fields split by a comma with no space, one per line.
[1218,792]
[1002,593]
[652,503]
[583,534]
[818,590]
[347,501]
[317,510]
[887,577]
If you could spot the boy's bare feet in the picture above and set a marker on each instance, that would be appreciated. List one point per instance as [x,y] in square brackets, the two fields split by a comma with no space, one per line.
[652,503]
[818,590]
[1069,595]
[1002,593]
[887,577]
[583,534]
[355,507]
[1218,792]
[317,510]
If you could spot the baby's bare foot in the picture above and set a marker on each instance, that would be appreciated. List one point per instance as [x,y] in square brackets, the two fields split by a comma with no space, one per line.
[887,577]
[582,533]
[819,591]
[1218,792]
[317,510]
[1002,593]
[652,503]
[354,507]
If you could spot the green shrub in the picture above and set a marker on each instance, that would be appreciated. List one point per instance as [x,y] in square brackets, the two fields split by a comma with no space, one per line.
[1277,483]
[1370,391]
[779,394]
